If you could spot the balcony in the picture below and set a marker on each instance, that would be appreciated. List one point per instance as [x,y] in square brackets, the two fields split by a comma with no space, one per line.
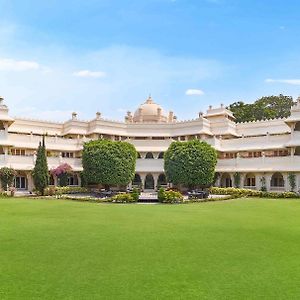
[257,164]
[19,162]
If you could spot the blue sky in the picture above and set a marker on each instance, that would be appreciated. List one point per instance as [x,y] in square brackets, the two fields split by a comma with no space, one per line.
[62,56]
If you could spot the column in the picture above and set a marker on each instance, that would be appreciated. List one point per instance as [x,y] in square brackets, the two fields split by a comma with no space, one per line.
[155,178]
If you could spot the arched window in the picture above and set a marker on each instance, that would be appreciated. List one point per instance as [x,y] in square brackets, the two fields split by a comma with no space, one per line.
[149,155]
[137,180]
[226,180]
[149,182]
[277,180]
[162,180]
[161,155]
[250,180]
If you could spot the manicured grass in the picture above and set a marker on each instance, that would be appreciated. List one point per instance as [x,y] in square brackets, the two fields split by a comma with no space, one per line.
[237,249]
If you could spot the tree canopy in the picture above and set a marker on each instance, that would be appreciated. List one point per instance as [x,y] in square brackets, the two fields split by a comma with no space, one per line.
[40,172]
[108,162]
[268,107]
[190,163]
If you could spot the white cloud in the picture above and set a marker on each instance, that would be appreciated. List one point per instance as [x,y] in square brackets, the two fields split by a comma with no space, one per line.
[7,64]
[194,92]
[287,81]
[88,73]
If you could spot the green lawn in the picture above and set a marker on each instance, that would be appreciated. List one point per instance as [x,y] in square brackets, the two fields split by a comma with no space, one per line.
[239,249]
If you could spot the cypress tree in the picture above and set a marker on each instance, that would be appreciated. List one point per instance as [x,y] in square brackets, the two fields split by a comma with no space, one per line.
[40,171]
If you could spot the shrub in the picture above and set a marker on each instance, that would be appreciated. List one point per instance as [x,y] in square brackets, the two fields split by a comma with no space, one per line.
[236,193]
[122,198]
[237,179]
[161,195]
[135,194]
[61,190]
[7,177]
[171,196]
[292,181]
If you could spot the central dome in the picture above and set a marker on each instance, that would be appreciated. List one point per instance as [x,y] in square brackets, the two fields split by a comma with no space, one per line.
[149,112]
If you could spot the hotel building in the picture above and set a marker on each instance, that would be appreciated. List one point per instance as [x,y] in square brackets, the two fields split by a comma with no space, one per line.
[263,152]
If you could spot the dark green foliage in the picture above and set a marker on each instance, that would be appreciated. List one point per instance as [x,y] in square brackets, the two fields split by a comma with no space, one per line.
[161,195]
[63,179]
[237,179]
[292,181]
[190,163]
[108,162]
[269,107]
[135,194]
[7,177]
[263,184]
[40,172]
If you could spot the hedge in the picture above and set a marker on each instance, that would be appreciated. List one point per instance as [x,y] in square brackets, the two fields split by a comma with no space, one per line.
[237,193]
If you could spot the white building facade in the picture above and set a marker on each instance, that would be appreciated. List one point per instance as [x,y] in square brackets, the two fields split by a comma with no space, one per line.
[264,153]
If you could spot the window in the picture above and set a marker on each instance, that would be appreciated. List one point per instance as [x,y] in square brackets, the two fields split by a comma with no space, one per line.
[20,182]
[19,152]
[73,180]
[67,154]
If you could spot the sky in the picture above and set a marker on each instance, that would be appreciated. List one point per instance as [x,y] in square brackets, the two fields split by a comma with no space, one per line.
[57,57]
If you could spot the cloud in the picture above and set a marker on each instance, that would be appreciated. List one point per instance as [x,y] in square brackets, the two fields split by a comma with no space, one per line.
[7,64]
[194,92]
[287,81]
[88,73]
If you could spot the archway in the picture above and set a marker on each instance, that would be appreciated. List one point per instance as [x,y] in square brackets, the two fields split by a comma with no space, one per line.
[226,180]
[250,180]
[162,180]
[297,126]
[277,180]
[149,155]
[137,181]
[149,182]
[73,180]
[161,155]
[297,150]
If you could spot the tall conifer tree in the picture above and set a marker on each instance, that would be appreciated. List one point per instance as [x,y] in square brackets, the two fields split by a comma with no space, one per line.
[40,171]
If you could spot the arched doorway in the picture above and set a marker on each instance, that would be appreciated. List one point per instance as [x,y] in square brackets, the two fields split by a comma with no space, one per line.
[277,180]
[137,181]
[250,180]
[149,155]
[149,182]
[226,180]
[162,180]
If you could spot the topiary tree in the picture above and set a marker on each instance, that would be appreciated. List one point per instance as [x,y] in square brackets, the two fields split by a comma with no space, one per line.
[108,162]
[237,179]
[292,181]
[7,176]
[190,163]
[40,172]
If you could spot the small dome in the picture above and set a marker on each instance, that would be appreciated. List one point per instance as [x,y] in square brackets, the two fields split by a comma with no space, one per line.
[149,112]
